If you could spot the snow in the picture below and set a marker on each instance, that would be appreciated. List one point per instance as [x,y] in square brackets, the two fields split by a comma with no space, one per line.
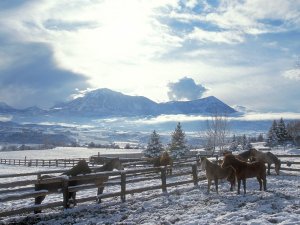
[186,204]
[63,152]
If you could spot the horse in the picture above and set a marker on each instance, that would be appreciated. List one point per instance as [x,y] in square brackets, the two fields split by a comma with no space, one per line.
[244,156]
[244,170]
[114,163]
[268,158]
[80,168]
[216,172]
[165,160]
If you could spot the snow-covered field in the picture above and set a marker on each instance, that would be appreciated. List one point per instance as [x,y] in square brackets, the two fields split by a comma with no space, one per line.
[186,204]
[63,152]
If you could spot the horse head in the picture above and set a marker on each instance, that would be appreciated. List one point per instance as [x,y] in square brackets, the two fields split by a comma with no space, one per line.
[116,164]
[253,152]
[82,167]
[227,161]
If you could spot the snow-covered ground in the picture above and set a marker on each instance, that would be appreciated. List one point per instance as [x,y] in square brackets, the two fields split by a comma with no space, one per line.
[186,204]
[63,152]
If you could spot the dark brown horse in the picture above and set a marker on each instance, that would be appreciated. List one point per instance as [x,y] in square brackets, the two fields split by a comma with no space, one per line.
[268,158]
[216,172]
[246,170]
[111,165]
[81,168]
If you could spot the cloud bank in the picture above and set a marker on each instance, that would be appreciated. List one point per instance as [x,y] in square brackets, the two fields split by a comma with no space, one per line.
[185,89]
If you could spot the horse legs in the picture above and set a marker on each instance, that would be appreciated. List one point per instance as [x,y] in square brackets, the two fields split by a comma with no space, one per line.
[269,167]
[265,183]
[100,191]
[72,195]
[244,185]
[208,185]
[216,184]
[170,170]
[239,186]
[260,183]
[37,201]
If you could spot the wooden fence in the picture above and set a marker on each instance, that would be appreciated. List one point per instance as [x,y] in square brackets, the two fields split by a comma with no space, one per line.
[120,178]
[42,162]
[125,181]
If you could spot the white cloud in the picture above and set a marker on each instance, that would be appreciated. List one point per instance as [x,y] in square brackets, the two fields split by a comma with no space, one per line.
[292,74]
[218,37]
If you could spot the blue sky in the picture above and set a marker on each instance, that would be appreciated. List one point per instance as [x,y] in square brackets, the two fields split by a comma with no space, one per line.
[243,52]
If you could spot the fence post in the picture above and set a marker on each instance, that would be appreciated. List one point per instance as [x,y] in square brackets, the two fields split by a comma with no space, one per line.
[163,179]
[25,161]
[37,162]
[56,163]
[195,174]
[43,163]
[123,186]
[65,190]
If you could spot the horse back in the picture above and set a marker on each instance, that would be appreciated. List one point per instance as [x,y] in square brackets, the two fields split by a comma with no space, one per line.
[52,187]
[254,169]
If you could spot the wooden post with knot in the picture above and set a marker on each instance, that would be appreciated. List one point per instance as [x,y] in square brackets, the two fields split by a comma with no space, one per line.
[195,174]
[123,187]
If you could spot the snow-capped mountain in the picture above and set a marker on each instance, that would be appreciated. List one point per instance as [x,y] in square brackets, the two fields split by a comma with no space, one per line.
[209,105]
[107,103]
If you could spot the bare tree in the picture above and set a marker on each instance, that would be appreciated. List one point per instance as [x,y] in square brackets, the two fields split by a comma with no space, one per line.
[293,129]
[216,132]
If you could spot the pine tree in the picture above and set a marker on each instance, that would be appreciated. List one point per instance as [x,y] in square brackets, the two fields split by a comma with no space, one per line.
[234,144]
[178,146]
[260,138]
[154,147]
[244,142]
[282,133]
[272,138]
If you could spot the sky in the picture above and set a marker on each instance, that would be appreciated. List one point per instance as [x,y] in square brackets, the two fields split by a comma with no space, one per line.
[243,52]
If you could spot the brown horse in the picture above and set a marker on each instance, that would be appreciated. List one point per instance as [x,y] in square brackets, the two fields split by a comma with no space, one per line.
[115,163]
[268,158]
[216,172]
[246,170]
[163,160]
[81,168]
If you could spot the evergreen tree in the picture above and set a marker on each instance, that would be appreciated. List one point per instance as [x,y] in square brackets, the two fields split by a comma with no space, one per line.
[260,138]
[154,147]
[234,144]
[178,146]
[282,133]
[244,142]
[272,138]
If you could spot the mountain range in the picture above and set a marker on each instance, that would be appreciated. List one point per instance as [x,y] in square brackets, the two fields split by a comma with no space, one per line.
[108,103]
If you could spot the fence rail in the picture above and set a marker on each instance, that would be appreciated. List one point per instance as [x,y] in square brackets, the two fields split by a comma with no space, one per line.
[42,162]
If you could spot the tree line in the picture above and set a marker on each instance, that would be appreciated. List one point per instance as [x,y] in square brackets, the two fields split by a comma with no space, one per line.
[217,138]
